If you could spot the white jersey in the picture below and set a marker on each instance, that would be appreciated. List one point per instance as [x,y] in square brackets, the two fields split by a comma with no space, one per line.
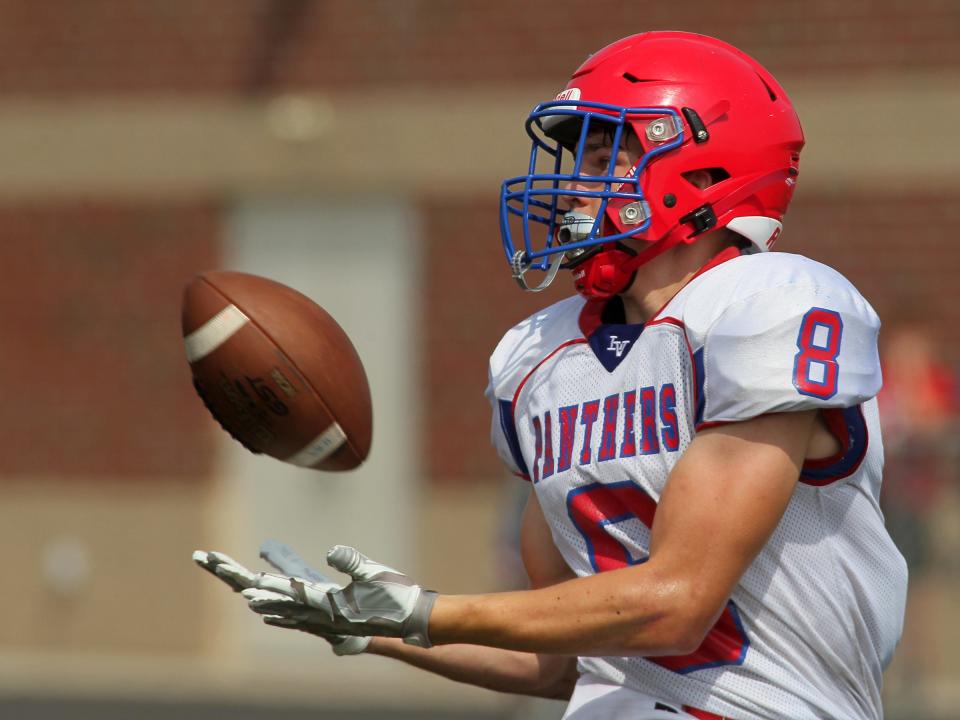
[596,415]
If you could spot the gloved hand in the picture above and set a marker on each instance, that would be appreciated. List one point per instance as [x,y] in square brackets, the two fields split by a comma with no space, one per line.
[287,561]
[380,601]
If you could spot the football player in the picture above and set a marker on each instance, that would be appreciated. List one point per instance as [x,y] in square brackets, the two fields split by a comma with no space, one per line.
[698,423]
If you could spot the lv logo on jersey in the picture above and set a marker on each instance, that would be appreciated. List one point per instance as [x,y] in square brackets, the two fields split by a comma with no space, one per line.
[618,346]
[634,422]
[612,343]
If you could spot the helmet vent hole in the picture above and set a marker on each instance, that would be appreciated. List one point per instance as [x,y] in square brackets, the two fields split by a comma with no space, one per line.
[629,77]
[706,177]
[770,92]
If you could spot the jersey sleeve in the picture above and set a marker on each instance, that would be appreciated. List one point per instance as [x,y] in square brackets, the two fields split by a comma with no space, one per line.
[807,344]
[522,347]
[503,433]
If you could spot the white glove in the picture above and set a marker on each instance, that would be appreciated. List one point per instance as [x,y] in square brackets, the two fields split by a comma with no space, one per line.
[379,601]
[285,559]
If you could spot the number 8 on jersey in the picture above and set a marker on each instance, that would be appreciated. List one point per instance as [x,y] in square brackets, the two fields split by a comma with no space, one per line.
[815,367]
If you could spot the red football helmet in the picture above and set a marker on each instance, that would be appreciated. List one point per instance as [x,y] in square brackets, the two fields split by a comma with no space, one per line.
[694,103]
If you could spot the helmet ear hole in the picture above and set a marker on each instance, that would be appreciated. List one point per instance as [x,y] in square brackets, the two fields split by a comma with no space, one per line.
[703,178]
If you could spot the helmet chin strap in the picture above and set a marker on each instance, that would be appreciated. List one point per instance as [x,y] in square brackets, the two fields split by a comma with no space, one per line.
[573,228]
[603,274]
[520,267]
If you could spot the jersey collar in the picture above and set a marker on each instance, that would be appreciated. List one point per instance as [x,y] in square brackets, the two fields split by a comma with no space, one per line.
[591,316]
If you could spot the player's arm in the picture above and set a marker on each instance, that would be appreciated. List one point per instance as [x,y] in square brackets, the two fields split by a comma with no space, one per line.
[722,502]
[497,669]
[524,673]
[507,671]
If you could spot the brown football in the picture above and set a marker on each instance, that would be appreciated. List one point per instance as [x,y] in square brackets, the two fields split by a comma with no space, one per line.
[276,371]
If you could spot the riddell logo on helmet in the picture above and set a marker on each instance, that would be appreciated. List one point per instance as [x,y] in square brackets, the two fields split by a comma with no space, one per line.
[569,94]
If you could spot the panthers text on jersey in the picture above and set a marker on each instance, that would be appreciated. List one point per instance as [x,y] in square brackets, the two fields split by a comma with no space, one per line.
[596,415]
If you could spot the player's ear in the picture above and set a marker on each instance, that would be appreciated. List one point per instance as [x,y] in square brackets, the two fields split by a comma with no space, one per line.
[700,179]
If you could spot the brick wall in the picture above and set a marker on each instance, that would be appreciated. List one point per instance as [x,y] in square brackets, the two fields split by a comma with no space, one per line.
[899,249]
[66,47]
[93,374]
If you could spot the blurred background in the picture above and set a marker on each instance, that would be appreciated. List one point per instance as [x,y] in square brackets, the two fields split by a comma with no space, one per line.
[353,149]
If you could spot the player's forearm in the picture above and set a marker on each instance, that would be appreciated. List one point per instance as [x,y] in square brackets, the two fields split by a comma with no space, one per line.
[623,612]
[492,668]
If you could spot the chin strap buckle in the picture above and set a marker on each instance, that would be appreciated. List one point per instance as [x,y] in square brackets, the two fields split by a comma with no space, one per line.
[703,219]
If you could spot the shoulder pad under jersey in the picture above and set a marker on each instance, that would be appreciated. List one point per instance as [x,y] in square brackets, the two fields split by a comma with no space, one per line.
[776,332]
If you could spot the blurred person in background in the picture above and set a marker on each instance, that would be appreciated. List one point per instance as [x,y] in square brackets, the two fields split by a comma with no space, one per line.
[699,425]
[918,407]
